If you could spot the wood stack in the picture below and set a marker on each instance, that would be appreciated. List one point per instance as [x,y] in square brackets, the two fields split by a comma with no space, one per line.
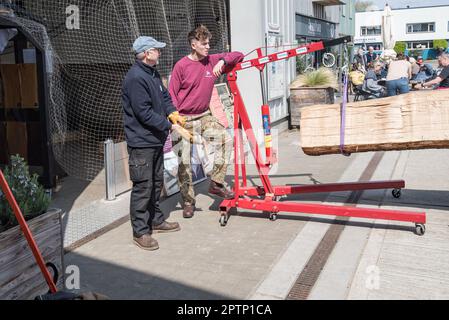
[417,120]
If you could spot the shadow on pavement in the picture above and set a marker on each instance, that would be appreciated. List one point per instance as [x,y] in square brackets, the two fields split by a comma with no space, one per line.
[117,282]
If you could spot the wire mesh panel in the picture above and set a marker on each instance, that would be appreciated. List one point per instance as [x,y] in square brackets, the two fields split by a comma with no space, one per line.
[88,61]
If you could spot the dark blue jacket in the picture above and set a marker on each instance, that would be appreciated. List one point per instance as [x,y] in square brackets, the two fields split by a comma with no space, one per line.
[146,105]
[370,58]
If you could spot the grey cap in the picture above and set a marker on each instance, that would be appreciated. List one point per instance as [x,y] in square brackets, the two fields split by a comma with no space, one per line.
[144,43]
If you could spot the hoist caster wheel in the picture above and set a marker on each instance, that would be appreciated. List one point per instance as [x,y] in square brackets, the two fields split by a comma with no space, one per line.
[223,221]
[273,217]
[396,193]
[420,229]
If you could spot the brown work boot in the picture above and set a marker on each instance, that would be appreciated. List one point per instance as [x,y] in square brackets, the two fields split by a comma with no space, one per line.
[188,210]
[166,227]
[146,242]
[220,190]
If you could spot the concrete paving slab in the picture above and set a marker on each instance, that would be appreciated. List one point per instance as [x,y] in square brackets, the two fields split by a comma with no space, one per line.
[257,259]
[402,265]
[283,275]
[204,260]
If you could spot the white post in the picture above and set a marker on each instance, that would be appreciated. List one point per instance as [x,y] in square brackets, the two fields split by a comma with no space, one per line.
[109,168]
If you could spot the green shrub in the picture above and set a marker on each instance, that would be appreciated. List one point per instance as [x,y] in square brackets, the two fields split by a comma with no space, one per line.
[400,47]
[300,64]
[323,77]
[29,194]
[440,43]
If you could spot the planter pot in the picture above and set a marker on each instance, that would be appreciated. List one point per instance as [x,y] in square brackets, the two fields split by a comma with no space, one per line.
[20,276]
[302,96]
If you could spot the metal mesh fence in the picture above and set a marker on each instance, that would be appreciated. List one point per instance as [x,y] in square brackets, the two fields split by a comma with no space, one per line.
[87,64]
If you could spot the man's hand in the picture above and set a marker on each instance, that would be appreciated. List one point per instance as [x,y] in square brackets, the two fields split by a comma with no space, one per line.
[218,69]
[176,118]
[183,132]
[176,127]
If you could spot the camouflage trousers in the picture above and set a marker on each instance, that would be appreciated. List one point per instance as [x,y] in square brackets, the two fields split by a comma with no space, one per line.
[216,136]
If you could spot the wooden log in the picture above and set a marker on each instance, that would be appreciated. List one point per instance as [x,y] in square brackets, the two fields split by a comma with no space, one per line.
[417,120]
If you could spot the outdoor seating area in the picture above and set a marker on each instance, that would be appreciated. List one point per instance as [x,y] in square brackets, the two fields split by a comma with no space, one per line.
[369,81]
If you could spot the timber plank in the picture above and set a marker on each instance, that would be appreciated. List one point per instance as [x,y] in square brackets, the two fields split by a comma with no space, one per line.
[417,120]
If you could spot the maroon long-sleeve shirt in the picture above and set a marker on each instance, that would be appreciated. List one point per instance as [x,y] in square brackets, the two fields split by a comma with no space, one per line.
[192,82]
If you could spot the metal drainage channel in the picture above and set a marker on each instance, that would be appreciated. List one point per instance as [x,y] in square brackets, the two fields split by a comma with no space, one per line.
[309,275]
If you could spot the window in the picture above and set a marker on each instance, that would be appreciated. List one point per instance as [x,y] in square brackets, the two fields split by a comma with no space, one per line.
[420,44]
[421,27]
[371,31]
[318,11]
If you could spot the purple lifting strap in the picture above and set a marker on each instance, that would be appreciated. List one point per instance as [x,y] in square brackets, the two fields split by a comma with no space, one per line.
[343,116]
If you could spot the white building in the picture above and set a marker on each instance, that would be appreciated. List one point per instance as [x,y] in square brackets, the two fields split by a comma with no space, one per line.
[417,27]
[256,23]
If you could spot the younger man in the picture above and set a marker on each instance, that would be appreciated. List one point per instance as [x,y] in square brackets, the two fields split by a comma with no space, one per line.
[191,87]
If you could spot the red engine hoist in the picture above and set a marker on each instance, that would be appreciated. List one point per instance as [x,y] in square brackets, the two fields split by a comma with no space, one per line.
[265,198]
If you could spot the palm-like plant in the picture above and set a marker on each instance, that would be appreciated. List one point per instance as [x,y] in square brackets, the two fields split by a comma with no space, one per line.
[323,77]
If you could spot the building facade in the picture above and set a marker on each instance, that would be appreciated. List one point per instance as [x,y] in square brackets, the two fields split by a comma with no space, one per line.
[278,25]
[417,27]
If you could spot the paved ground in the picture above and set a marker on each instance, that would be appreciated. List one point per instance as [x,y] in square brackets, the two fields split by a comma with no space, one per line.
[254,258]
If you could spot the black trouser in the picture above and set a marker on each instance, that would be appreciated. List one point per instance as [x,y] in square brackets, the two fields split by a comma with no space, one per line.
[146,170]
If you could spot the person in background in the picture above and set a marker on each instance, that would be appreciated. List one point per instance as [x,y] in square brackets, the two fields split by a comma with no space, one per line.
[415,68]
[371,56]
[442,80]
[370,84]
[426,71]
[360,60]
[440,51]
[191,87]
[399,74]
[356,76]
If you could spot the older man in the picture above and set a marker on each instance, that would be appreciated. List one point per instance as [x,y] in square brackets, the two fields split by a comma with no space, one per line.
[371,56]
[146,106]
[442,80]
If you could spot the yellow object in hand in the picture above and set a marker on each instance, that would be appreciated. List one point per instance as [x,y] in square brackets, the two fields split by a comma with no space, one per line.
[176,118]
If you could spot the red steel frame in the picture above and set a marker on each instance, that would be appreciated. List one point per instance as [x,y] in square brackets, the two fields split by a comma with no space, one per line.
[271,194]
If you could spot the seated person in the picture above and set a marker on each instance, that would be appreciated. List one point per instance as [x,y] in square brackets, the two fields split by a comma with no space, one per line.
[383,73]
[442,80]
[415,67]
[356,76]
[370,84]
[425,71]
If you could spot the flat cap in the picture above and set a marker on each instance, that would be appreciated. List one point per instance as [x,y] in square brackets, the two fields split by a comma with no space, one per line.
[144,43]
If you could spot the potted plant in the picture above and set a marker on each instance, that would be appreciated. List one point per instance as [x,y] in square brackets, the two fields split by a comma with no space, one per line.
[310,88]
[20,277]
